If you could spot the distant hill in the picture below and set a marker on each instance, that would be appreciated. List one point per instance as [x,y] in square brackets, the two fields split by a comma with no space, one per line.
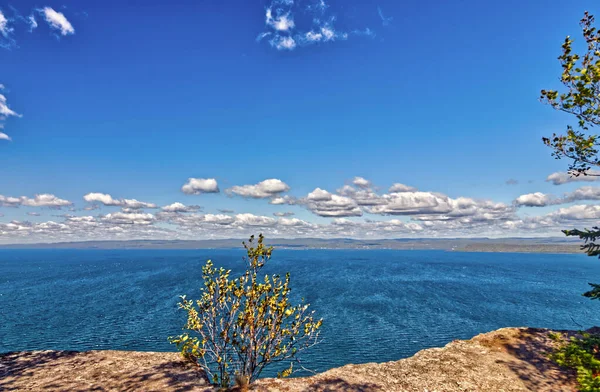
[534,245]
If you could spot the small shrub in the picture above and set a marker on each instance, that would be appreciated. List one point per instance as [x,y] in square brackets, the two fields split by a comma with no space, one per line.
[241,325]
[583,355]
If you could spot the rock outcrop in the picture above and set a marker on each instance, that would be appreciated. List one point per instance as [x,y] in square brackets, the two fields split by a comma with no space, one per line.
[508,360]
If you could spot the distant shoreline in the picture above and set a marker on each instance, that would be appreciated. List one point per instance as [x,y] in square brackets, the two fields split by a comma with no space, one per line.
[503,245]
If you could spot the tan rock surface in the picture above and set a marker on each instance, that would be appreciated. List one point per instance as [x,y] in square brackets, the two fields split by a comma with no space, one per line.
[510,359]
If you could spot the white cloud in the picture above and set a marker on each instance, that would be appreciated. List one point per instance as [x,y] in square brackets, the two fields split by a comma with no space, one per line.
[253,220]
[577,212]
[5,112]
[45,200]
[57,21]
[364,196]
[361,182]
[265,189]
[416,214]
[397,188]
[539,199]
[180,207]
[283,43]
[413,203]
[319,195]
[9,201]
[536,199]
[32,22]
[135,218]
[5,30]
[583,193]
[325,204]
[290,200]
[281,22]
[285,34]
[219,219]
[293,222]
[560,178]
[108,200]
[323,33]
[196,186]
[40,200]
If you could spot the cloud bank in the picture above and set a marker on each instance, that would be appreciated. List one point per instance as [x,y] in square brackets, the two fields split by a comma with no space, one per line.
[357,209]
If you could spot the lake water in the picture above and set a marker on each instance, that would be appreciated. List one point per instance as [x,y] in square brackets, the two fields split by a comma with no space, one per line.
[377,305]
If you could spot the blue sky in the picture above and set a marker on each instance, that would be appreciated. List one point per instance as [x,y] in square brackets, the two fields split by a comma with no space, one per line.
[133,100]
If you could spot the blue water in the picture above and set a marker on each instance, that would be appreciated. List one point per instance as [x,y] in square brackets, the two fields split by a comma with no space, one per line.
[377,305]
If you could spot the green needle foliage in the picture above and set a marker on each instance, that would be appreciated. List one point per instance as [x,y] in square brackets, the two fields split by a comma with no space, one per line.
[580,98]
[581,354]
[241,325]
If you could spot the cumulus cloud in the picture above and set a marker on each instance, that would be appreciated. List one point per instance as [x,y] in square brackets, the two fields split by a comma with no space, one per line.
[401,212]
[361,182]
[325,204]
[560,178]
[577,212]
[319,195]
[253,220]
[413,203]
[363,196]
[196,186]
[218,219]
[293,222]
[180,207]
[109,201]
[57,20]
[583,193]
[287,199]
[537,199]
[132,218]
[265,189]
[40,200]
[397,187]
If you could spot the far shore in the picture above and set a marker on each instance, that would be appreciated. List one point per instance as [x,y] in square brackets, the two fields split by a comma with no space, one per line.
[557,245]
